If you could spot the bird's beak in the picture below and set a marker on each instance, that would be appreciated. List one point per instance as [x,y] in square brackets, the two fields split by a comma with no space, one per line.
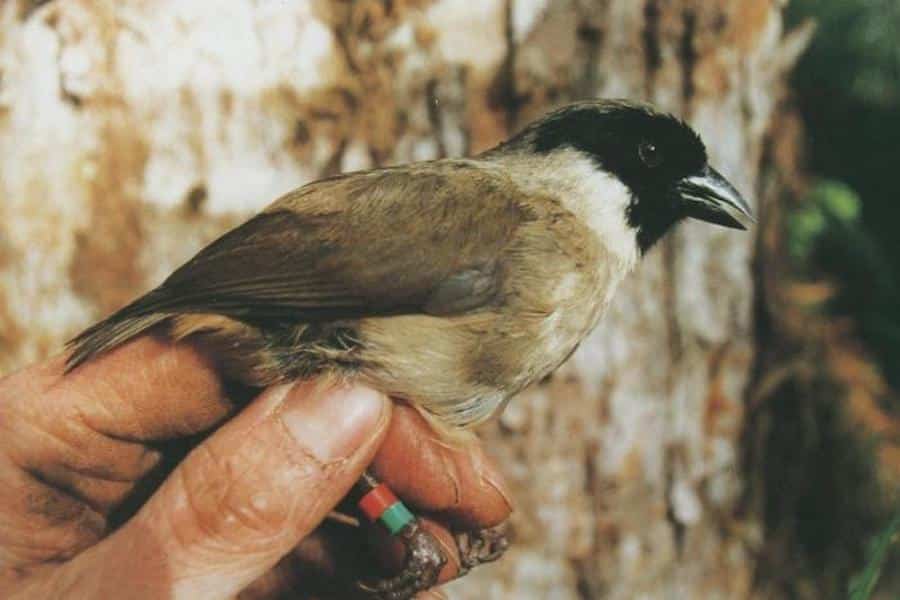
[710,197]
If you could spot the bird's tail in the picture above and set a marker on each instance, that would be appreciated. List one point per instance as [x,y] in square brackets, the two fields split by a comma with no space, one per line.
[108,334]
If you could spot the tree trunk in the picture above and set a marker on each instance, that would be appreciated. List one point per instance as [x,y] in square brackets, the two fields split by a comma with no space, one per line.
[133,133]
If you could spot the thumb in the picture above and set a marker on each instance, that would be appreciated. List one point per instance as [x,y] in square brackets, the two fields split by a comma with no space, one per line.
[246,496]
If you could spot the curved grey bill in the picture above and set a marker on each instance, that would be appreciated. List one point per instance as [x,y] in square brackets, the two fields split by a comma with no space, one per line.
[710,197]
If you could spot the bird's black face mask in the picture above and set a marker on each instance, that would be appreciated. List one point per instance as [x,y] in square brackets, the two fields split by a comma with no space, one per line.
[658,157]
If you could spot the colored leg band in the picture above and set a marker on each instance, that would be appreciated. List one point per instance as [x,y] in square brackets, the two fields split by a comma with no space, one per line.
[380,504]
[396,518]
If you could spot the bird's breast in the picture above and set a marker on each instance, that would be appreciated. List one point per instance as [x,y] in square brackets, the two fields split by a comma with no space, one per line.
[579,301]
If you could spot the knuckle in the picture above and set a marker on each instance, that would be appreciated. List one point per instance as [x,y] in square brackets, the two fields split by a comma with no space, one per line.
[228,497]
[41,523]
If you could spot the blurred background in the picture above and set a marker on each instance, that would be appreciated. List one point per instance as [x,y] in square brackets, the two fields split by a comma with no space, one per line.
[732,429]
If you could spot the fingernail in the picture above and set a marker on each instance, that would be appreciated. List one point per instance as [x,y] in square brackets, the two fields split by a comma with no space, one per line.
[332,423]
[496,481]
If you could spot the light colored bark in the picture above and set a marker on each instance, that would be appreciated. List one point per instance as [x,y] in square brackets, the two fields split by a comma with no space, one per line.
[132,133]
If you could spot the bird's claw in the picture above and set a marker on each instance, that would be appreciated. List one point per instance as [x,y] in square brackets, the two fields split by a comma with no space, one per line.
[480,547]
[423,564]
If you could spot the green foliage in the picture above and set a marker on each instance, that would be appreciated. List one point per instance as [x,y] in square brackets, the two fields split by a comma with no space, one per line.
[827,239]
[838,200]
[856,48]
[848,88]
[824,500]
[829,202]
[863,583]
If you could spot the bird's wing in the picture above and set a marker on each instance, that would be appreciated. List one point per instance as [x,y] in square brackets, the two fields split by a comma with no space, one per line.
[405,240]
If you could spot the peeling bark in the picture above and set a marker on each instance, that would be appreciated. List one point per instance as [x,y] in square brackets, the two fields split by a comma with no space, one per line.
[133,133]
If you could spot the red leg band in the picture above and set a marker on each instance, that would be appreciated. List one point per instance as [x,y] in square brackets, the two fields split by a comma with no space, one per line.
[378,500]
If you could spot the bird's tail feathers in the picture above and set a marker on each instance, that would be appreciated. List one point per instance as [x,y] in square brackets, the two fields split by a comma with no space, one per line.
[108,334]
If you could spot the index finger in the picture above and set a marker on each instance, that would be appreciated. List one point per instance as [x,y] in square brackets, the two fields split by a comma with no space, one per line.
[147,390]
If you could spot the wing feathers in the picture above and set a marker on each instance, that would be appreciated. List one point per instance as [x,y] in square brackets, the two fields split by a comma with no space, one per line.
[432,235]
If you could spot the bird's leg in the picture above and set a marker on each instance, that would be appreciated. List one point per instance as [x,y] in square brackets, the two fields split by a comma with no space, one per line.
[480,547]
[424,557]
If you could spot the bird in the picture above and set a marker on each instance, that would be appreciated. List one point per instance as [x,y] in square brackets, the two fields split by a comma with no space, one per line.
[451,284]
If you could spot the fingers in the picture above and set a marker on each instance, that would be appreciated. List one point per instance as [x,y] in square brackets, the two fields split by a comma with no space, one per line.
[83,431]
[66,439]
[82,437]
[453,479]
[248,494]
[149,389]
[455,485]
[393,552]
[330,562]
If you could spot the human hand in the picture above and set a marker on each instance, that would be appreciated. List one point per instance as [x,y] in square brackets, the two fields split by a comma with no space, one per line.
[240,514]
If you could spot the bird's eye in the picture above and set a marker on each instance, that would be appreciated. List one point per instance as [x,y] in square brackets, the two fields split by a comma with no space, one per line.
[650,154]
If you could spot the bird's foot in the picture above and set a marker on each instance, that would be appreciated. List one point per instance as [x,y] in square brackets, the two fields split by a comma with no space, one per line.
[423,564]
[480,547]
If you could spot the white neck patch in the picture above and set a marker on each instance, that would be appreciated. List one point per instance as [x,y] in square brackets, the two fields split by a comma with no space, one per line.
[595,196]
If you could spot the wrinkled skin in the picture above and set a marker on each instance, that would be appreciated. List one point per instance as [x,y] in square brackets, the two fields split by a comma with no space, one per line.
[241,514]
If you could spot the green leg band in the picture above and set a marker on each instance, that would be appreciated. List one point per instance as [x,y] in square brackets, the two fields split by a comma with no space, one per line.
[396,517]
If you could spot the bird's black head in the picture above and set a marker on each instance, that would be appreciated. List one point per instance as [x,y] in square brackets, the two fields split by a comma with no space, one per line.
[657,156]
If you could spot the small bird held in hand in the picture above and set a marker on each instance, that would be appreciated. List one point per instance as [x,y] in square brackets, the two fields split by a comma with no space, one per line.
[452,284]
